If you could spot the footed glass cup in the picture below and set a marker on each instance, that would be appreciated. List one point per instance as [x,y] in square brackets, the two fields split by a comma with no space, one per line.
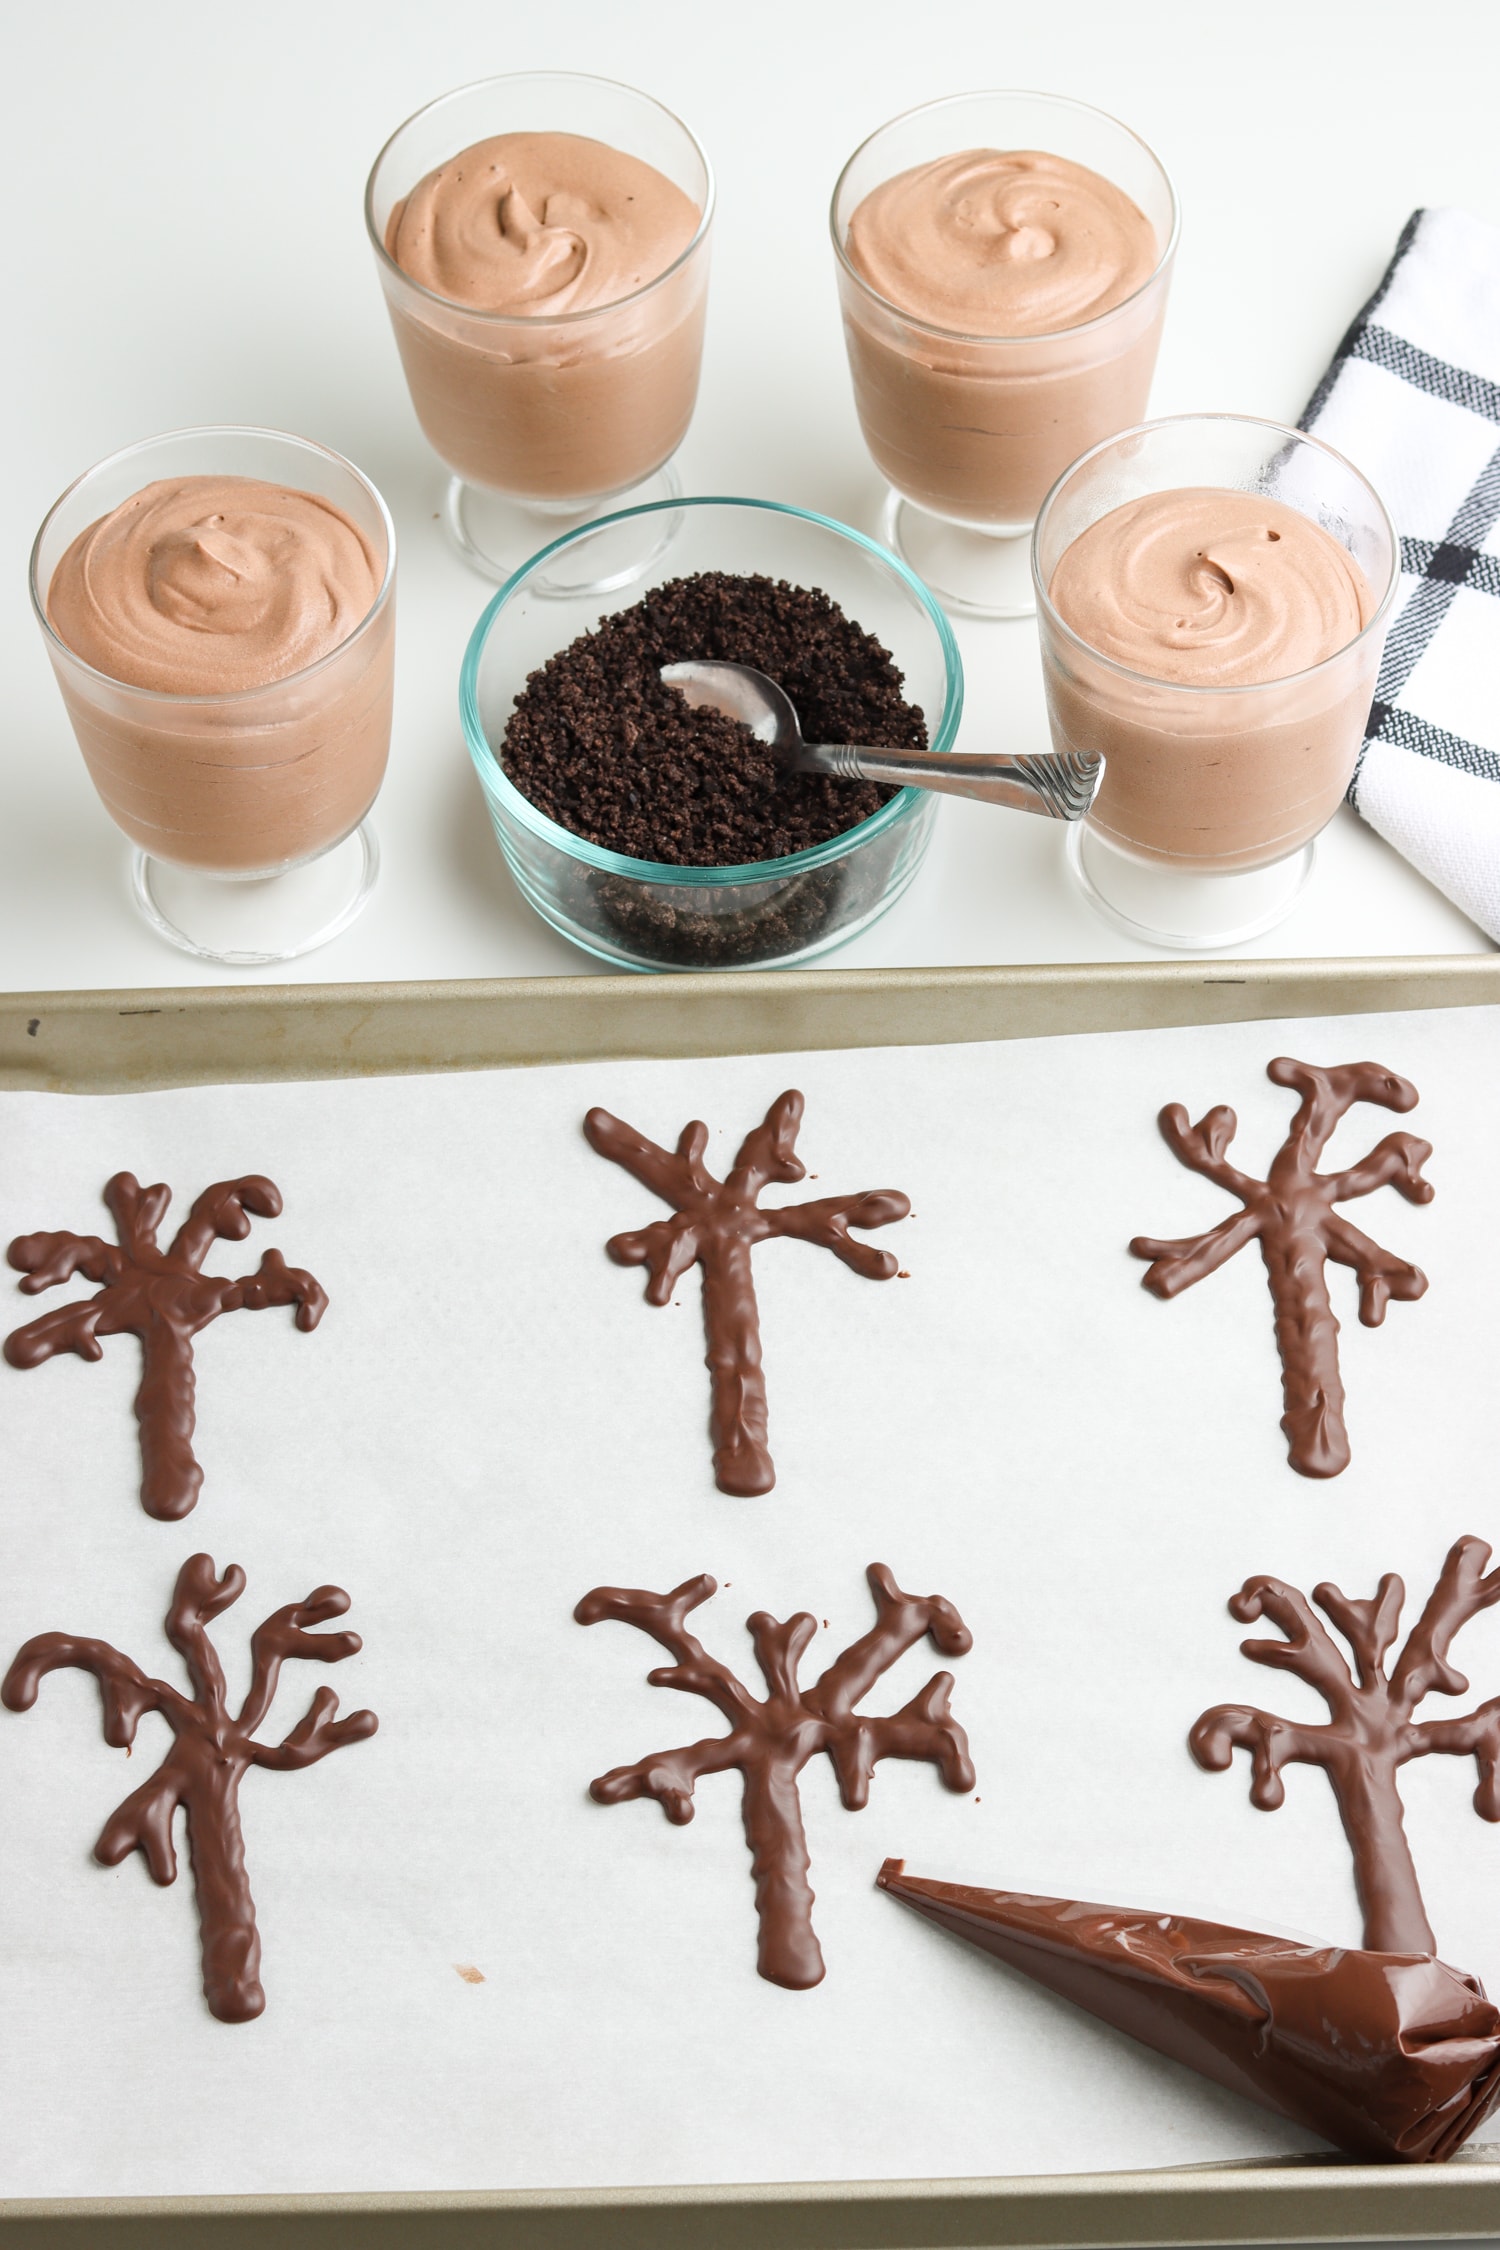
[246,811]
[544,420]
[1203,833]
[970,431]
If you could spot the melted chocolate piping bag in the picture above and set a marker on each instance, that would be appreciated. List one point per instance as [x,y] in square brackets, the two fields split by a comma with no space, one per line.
[1392,2057]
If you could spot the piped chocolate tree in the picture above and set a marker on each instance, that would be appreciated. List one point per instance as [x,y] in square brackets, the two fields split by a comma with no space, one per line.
[771,1741]
[1291,1214]
[164,1298]
[1370,1732]
[716,1224]
[1385,2050]
[212,1750]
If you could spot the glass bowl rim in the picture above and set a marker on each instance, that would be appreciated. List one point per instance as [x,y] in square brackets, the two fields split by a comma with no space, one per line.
[227,696]
[497,784]
[1059,624]
[1008,93]
[539,320]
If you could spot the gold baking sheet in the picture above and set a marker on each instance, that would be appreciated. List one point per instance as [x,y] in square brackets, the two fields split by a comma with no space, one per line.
[109,1041]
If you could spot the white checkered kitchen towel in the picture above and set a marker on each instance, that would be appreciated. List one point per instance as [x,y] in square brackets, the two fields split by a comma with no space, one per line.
[1413,398]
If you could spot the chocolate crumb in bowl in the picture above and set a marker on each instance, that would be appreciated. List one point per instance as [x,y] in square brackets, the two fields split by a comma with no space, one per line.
[602,745]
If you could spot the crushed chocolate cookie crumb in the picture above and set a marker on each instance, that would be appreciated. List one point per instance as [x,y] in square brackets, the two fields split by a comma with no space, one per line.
[600,744]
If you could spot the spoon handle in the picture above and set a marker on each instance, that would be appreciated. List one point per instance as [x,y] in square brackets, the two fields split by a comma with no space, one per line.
[1060,785]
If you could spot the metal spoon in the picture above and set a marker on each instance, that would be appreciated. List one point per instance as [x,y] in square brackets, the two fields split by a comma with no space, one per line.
[1061,785]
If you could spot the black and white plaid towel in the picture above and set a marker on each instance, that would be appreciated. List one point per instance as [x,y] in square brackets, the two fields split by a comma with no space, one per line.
[1413,398]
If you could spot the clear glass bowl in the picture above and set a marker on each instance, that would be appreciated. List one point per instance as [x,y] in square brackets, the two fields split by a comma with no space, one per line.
[641,913]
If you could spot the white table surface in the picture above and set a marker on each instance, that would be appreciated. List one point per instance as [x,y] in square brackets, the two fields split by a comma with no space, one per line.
[184,244]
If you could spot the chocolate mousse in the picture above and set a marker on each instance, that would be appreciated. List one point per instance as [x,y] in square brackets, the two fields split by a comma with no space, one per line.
[201,588]
[979,372]
[210,585]
[1212,589]
[548,228]
[1002,242]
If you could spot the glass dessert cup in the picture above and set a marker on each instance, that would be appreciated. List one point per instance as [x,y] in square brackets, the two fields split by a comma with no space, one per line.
[971,431]
[547,420]
[645,914]
[246,810]
[1203,834]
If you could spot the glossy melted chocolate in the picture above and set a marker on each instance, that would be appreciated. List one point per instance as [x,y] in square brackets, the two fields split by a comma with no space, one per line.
[1384,2050]
[771,1741]
[211,1751]
[1290,1213]
[1370,1734]
[716,1224]
[162,1297]
[1387,2055]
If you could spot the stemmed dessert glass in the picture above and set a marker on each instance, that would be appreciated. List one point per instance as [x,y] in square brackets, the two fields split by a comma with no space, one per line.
[247,810]
[546,419]
[970,431]
[1203,833]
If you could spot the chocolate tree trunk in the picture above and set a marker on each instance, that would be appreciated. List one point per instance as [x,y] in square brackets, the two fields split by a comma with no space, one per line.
[738,1421]
[170,1476]
[1384,1875]
[1307,1335]
[226,1911]
[789,1952]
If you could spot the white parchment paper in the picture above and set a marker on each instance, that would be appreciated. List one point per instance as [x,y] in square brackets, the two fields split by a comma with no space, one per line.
[490,1420]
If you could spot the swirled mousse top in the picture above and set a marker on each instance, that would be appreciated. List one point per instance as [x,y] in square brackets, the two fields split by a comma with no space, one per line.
[1211,588]
[210,585]
[995,242]
[532,224]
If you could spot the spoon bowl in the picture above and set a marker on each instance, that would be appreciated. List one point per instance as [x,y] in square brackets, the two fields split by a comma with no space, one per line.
[1059,785]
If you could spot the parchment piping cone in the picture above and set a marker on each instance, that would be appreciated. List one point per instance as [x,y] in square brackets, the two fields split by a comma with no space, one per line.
[1393,2057]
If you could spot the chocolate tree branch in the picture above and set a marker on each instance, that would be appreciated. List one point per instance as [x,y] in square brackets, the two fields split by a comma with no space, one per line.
[143,1823]
[827,1222]
[1271,1742]
[716,1224]
[284,1636]
[66,1328]
[1394,1162]
[209,1754]
[274,1282]
[124,1689]
[223,1210]
[46,1260]
[662,1616]
[769,1150]
[1201,1147]
[1370,1734]
[1382,1276]
[1462,1591]
[1306,1650]
[770,1742]
[163,1299]
[319,1731]
[1368,1626]
[667,1775]
[1291,1214]
[901,1620]
[667,1249]
[1175,1266]
[137,1213]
